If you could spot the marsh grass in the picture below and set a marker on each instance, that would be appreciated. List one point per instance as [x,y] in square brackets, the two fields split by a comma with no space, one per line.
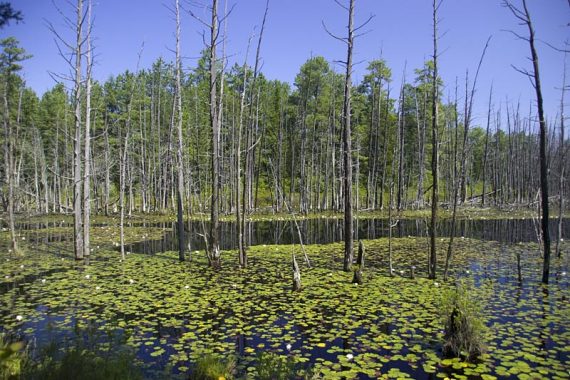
[213,367]
[464,326]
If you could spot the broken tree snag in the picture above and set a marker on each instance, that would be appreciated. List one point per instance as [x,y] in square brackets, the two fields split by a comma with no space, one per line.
[360,259]
[519,270]
[357,279]
[296,276]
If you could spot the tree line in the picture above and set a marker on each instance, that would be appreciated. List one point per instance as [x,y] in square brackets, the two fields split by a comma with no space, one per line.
[219,139]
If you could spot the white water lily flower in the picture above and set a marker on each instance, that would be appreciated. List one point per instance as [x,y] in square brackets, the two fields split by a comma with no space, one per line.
[401,272]
[43,280]
[131,281]
[349,356]
[23,238]
[563,274]
[22,266]
[467,271]
[6,277]
[288,346]
[19,318]
[97,288]
[436,284]
[87,276]
[186,287]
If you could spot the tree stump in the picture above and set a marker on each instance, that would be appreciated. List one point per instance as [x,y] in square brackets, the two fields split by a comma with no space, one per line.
[357,278]
[296,276]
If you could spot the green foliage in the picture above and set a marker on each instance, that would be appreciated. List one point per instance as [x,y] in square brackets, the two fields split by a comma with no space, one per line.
[12,358]
[464,327]
[213,367]
[7,13]
[272,366]
[80,363]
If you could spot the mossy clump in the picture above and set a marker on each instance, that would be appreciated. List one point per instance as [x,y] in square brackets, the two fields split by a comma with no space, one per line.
[464,326]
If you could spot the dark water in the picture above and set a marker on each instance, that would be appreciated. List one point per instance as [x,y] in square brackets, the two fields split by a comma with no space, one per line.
[323,231]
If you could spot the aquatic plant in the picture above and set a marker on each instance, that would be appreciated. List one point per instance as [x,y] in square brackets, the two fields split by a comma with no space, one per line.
[213,367]
[12,357]
[464,327]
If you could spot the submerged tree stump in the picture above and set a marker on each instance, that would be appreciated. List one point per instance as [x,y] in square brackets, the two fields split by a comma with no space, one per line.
[357,278]
[296,276]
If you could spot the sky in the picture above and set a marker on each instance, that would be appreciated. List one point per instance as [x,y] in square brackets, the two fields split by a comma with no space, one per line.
[400,32]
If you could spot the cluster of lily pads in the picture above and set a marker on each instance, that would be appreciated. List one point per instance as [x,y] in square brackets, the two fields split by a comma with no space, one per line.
[172,314]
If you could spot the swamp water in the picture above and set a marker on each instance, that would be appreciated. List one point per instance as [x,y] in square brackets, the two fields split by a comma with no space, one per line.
[169,313]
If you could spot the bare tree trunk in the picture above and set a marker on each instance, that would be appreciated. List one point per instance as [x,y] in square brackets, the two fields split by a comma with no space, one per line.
[524,17]
[239,220]
[421,149]
[401,145]
[87,156]
[107,157]
[562,150]
[214,251]
[486,149]
[179,156]
[77,171]
[434,151]
[347,151]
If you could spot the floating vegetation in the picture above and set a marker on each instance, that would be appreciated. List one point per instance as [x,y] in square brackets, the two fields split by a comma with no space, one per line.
[172,315]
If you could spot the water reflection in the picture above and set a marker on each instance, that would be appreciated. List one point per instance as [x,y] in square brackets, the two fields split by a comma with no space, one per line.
[323,231]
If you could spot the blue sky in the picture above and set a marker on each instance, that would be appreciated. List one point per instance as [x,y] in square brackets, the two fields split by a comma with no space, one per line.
[401,31]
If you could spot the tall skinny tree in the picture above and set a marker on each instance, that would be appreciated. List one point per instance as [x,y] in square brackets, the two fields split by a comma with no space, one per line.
[434,149]
[347,133]
[214,254]
[523,15]
[179,156]
[347,145]
[87,147]
[77,172]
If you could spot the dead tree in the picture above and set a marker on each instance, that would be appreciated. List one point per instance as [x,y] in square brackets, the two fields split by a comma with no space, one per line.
[434,150]
[523,15]
[87,147]
[347,133]
[214,254]
[460,182]
[179,155]
[562,154]
[77,172]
